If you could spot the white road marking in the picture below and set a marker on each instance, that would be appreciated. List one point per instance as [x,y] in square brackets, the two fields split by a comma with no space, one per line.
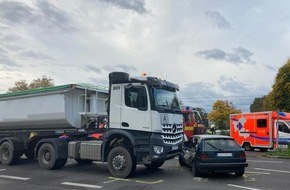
[264,161]
[2,170]
[242,187]
[266,173]
[82,185]
[270,170]
[14,177]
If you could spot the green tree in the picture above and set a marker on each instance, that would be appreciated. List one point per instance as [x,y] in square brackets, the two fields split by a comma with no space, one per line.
[259,104]
[20,85]
[220,113]
[279,97]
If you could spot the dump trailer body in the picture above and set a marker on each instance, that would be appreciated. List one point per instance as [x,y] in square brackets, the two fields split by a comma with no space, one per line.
[63,106]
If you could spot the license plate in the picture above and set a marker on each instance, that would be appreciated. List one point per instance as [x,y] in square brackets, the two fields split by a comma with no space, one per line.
[224,154]
[174,147]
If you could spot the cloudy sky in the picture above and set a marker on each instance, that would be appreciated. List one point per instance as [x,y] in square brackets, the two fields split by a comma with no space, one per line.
[227,50]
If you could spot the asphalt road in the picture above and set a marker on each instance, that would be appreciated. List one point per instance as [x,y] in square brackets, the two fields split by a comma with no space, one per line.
[262,174]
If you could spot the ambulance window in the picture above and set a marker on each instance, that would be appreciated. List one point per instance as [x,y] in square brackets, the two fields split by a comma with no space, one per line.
[261,122]
[283,127]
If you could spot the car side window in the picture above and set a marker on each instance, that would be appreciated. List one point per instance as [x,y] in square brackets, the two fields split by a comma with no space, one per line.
[136,97]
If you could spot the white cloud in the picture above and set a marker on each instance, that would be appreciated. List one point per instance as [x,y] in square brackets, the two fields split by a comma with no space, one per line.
[82,41]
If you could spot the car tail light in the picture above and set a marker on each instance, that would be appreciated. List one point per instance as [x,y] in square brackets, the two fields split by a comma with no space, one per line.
[203,156]
[242,155]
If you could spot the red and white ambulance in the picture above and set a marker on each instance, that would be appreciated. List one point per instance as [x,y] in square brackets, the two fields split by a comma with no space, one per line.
[262,130]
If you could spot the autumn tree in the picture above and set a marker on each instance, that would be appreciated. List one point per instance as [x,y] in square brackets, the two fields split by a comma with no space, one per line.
[20,85]
[259,104]
[279,97]
[220,113]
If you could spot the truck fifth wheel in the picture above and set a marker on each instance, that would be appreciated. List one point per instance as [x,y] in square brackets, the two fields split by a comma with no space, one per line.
[134,121]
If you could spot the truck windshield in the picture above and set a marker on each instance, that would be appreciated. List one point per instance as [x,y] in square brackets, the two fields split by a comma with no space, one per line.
[165,100]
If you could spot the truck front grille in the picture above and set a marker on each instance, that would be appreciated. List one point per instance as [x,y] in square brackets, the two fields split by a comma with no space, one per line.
[172,133]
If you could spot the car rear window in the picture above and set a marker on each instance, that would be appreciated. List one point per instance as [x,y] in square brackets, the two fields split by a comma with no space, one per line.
[220,144]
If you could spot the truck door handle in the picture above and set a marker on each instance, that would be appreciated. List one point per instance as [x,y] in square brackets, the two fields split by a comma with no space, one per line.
[125,124]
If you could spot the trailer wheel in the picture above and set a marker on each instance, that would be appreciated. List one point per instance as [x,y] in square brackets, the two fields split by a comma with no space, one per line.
[248,146]
[7,156]
[46,157]
[120,162]
[154,165]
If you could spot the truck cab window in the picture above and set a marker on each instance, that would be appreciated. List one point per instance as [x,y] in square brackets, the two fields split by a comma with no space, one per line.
[136,97]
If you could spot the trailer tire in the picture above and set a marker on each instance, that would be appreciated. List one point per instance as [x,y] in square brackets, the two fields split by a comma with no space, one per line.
[7,156]
[46,157]
[121,162]
[154,165]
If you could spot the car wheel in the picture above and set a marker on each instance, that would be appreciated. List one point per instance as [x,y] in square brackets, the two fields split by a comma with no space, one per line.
[194,169]
[181,161]
[239,174]
[154,165]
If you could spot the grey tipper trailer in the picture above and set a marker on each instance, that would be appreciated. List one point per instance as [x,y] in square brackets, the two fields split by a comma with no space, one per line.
[29,116]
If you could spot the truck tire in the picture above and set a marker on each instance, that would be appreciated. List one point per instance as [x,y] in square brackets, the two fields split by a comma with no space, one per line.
[154,165]
[46,157]
[7,156]
[120,162]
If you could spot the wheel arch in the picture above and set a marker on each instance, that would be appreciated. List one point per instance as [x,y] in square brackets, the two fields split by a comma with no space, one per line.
[113,138]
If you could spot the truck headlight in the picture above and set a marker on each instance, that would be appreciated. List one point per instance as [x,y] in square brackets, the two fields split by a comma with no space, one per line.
[158,149]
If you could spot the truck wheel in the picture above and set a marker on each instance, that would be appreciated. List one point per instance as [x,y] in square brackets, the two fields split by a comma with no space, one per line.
[46,157]
[120,162]
[248,146]
[154,165]
[7,156]
[181,161]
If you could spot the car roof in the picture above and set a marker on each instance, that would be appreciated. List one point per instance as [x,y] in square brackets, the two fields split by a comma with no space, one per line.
[213,136]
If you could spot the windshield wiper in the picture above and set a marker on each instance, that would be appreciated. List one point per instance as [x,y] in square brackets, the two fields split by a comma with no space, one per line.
[213,146]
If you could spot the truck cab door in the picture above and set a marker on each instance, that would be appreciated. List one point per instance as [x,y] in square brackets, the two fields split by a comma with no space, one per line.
[135,109]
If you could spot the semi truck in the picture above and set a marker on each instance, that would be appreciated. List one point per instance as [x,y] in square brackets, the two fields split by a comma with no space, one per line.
[136,120]
[262,130]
